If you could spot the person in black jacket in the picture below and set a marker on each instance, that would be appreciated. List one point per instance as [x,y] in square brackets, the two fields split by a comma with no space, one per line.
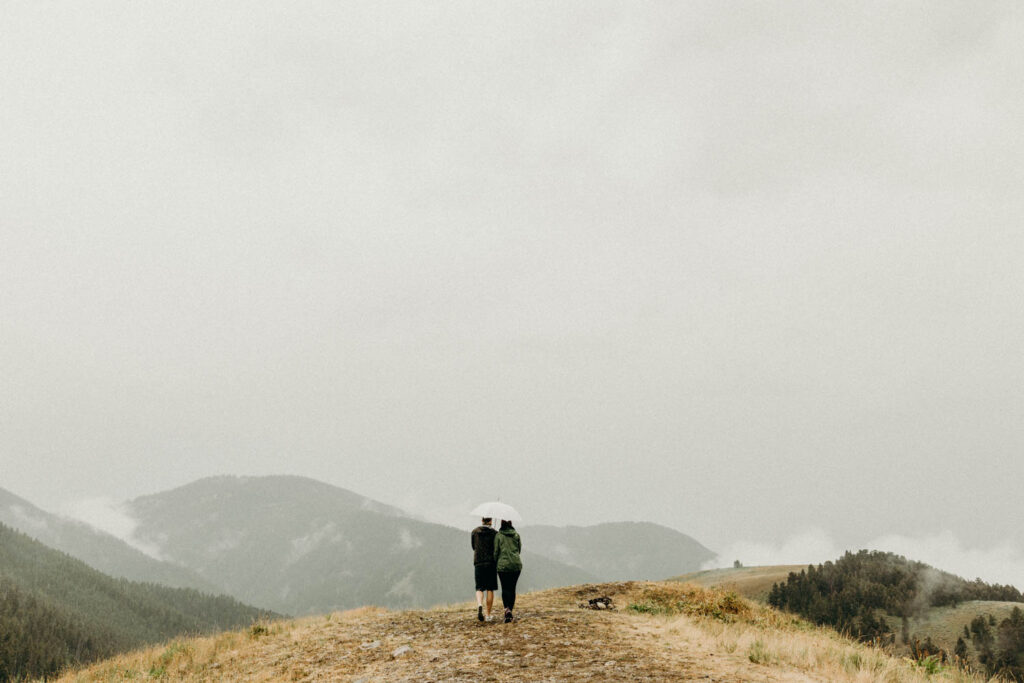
[485,568]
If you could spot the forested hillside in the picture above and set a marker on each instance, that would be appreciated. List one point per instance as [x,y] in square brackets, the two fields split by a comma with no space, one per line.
[856,593]
[999,645]
[96,548]
[37,638]
[56,610]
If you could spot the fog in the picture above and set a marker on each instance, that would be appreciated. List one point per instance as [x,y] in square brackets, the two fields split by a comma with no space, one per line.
[742,269]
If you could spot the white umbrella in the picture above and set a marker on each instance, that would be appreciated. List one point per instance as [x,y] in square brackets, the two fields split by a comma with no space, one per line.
[497,510]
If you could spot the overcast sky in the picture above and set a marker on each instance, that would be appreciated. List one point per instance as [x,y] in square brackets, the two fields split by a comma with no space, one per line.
[746,269]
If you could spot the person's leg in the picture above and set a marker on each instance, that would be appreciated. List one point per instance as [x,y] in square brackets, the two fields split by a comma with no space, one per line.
[513,580]
[490,602]
[507,593]
[478,579]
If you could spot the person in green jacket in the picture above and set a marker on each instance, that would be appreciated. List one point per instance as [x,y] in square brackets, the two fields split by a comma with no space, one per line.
[507,546]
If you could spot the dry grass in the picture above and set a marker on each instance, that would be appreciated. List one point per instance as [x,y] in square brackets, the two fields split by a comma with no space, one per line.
[820,653]
[661,631]
[750,582]
[729,624]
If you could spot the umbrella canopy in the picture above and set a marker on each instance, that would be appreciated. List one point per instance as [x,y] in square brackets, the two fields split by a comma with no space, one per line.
[497,510]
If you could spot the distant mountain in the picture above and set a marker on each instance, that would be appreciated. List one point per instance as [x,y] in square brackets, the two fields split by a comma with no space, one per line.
[96,548]
[56,610]
[621,551]
[300,546]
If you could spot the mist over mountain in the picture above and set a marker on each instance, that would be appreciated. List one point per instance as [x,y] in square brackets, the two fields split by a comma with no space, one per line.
[99,550]
[622,551]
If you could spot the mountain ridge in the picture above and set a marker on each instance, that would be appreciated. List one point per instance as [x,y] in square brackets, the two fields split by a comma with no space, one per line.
[644,550]
[300,546]
[297,545]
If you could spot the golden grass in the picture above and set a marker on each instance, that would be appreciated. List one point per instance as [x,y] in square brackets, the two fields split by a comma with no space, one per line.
[661,630]
[211,657]
[771,638]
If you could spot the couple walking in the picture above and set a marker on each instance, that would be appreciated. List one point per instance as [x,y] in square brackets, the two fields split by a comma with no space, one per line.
[496,554]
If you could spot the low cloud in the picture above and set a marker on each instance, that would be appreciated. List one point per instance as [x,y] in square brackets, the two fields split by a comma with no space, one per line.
[1003,563]
[807,547]
[111,517]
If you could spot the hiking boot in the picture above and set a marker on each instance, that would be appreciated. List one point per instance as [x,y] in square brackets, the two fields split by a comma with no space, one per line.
[479,613]
[508,616]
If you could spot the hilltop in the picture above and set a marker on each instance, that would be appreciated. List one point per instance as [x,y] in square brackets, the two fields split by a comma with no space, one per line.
[660,631]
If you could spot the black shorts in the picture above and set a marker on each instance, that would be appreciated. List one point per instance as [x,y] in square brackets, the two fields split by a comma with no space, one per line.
[486,577]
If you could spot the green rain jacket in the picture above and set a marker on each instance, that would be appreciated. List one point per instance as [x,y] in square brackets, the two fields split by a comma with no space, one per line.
[507,545]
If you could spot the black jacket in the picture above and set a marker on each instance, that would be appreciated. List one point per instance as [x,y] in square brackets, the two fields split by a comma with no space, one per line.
[482,542]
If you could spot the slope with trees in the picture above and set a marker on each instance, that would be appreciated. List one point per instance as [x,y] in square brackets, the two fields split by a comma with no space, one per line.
[850,592]
[96,548]
[55,610]
[855,593]
[999,645]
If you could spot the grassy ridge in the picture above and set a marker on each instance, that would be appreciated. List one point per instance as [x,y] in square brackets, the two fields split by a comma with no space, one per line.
[661,631]
[750,582]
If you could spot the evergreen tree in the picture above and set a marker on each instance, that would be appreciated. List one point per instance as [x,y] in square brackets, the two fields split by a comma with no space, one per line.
[961,651]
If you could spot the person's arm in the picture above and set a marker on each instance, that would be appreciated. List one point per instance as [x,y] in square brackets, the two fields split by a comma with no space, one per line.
[497,546]
[472,540]
[519,543]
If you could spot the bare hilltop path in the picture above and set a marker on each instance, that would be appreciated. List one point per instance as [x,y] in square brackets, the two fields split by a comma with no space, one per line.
[548,641]
[657,631]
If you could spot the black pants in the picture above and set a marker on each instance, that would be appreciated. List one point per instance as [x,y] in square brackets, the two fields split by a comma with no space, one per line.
[508,588]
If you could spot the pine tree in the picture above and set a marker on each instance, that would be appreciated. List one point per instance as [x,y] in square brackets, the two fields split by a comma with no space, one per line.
[961,651]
